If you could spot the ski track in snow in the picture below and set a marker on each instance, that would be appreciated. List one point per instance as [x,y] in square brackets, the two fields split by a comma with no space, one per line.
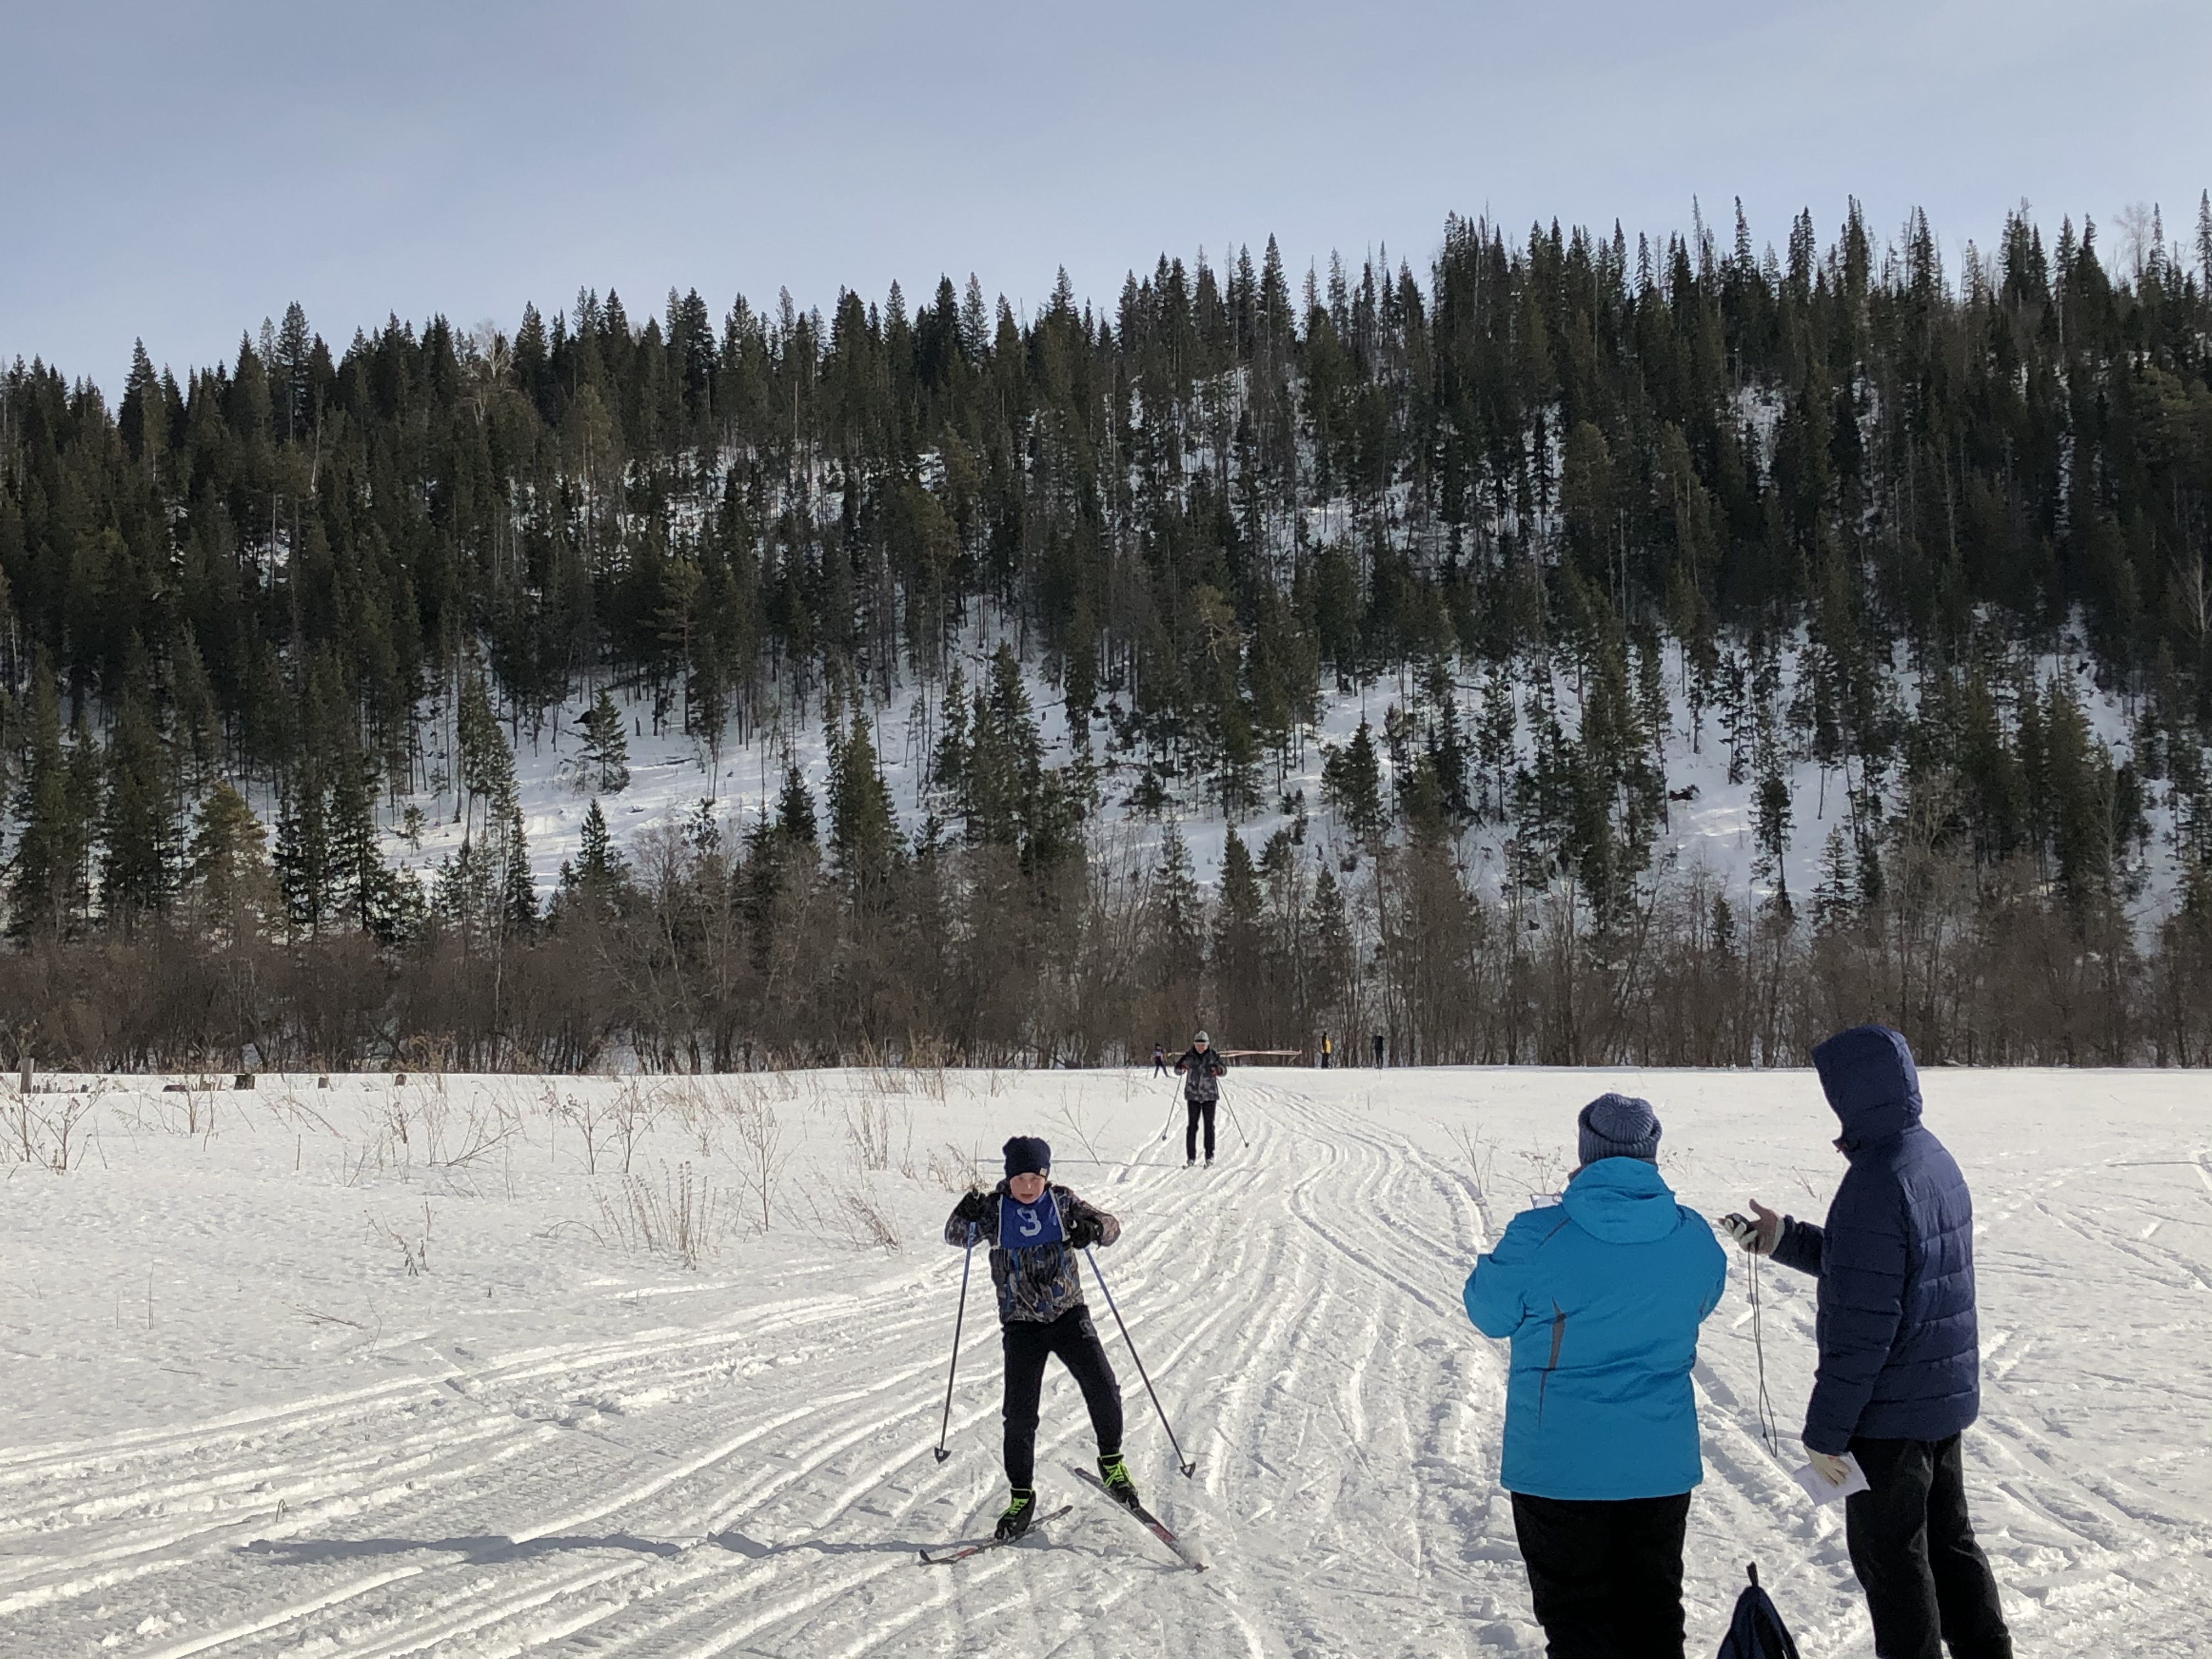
[758,1480]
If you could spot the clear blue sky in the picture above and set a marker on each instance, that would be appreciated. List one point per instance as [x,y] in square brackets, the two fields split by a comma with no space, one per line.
[180,170]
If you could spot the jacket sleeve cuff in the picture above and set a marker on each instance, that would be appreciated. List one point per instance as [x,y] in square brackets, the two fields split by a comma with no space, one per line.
[1799,1246]
[1831,1440]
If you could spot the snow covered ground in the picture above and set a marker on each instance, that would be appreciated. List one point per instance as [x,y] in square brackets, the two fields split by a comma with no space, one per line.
[383,1369]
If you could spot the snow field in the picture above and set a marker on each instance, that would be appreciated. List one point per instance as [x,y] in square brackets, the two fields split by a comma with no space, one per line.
[240,1423]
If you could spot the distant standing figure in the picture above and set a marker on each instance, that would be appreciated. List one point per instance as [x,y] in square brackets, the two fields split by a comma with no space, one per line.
[1327,1049]
[1159,1061]
[1378,1048]
[1200,1069]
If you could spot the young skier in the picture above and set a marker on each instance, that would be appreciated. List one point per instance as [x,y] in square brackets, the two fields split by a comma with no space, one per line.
[1035,1229]
[1200,1069]
[1159,1061]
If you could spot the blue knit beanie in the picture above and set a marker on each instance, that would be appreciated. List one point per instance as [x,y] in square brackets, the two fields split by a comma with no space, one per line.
[1027,1155]
[1619,1126]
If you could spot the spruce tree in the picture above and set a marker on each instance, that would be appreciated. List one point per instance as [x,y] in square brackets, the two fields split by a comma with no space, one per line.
[863,826]
[227,866]
[794,809]
[138,822]
[607,747]
[1352,782]
[46,884]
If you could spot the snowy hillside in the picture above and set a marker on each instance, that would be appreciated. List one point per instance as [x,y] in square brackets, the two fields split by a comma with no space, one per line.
[382,1370]
[1711,828]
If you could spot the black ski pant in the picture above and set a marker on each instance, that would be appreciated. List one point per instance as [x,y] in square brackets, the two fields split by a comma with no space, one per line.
[1607,1577]
[1028,1343]
[1199,1109]
[1926,1580]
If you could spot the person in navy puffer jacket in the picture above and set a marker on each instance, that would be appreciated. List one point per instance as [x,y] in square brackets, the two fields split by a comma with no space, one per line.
[1899,1375]
[1603,1296]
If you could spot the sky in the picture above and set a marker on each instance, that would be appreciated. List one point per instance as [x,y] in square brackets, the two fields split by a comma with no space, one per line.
[177,171]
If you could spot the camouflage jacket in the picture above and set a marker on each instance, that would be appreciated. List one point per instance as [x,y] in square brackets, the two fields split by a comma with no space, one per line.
[1039,1282]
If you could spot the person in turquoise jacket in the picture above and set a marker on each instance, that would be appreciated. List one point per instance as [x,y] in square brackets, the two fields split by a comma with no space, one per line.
[1601,1296]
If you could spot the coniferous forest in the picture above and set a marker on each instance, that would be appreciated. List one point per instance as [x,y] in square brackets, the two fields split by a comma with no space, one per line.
[1573,503]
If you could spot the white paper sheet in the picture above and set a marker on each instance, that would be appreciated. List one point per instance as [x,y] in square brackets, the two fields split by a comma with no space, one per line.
[1817,1488]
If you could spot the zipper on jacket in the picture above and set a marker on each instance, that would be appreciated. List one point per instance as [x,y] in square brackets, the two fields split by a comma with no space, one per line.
[1558,1335]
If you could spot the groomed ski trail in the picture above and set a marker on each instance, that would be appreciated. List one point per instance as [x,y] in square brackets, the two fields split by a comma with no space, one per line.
[758,1480]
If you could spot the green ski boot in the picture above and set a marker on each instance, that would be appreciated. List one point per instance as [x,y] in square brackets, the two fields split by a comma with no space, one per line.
[1114,1475]
[1021,1510]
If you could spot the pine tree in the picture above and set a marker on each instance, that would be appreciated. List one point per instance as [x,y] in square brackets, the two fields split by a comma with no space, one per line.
[304,863]
[227,863]
[607,747]
[487,763]
[1352,782]
[795,810]
[863,825]
[45,882]
[599,871]
[948,766]
[138,825]
[1237,944]
[359,886]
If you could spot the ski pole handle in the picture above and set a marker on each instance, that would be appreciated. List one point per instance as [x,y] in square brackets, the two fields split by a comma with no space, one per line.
[1187,1465]
[968,1261]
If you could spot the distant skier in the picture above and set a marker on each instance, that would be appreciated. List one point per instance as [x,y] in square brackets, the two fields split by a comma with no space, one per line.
[1035,1229]
[1200,1069]
[1159,1061]
[1327,1049]
[1378,1048]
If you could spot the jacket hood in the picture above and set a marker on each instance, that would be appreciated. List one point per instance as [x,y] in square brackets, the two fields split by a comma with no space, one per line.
[1868,1076]
[1621,1200]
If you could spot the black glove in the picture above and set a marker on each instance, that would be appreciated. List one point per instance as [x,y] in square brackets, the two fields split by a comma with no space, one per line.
[1082,1232]
[975,1207]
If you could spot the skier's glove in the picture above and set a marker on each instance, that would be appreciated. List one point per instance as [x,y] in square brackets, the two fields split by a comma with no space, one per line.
[975,1207]
[1082,1232]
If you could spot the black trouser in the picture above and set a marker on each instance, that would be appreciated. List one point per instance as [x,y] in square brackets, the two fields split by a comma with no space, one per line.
[1607,1577]
[1075,1340]
[1926,1580]
[1198,1108]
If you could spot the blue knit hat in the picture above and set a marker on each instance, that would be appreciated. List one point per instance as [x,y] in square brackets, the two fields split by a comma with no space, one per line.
[1027,1155]
[1619,1126]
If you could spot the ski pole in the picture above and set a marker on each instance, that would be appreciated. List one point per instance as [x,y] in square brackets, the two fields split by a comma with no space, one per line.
[1189,1466]
[1234,1124]
[1174,1100]
[945,1428]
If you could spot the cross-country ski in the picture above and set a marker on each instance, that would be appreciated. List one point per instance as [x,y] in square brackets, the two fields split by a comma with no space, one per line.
[1144,1517]
[947,1556]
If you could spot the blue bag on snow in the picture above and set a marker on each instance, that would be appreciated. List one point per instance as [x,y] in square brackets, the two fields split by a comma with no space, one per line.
[1757,1631]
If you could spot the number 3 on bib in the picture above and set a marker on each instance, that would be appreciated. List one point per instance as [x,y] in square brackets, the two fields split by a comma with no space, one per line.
[1026,1227]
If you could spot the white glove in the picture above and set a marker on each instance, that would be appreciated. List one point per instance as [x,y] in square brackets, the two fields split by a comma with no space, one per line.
[1759,1236]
